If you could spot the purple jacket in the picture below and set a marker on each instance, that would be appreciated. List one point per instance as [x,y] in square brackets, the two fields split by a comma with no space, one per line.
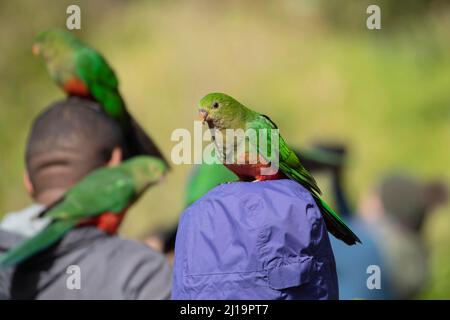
[244,240]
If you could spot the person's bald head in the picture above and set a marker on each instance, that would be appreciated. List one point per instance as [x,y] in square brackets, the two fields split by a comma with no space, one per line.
[67,141]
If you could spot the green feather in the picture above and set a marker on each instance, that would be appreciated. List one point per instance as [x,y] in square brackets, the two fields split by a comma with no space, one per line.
[102,82]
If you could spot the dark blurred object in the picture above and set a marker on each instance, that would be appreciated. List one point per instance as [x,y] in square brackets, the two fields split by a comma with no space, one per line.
[329,157]
[163,241]
[396,212]
[394,13]
[322,157]
[435,194]
[409,200]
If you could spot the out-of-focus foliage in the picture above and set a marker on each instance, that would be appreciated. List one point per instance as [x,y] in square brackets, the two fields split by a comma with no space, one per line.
[312,66]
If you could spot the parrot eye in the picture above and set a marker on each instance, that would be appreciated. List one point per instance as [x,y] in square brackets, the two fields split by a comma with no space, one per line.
[215,105]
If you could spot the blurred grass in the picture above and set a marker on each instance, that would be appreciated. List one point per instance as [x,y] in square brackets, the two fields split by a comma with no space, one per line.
[384,93]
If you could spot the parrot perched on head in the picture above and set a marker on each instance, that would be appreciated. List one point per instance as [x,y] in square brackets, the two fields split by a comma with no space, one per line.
[222,112]
[108,189]
[81,71]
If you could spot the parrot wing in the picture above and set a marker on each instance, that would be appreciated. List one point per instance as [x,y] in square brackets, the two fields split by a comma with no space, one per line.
[288,160]
[105,190]
[92,67]
[101,81]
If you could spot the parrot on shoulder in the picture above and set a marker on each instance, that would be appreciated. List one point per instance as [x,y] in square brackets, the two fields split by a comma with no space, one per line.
[108,189]
[222,113]
[81,71]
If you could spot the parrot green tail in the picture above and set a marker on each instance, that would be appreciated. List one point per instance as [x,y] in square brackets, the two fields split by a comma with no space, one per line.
[44,239]
[334,223]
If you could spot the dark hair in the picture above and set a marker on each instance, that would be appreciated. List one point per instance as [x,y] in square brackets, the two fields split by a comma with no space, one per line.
[68,140]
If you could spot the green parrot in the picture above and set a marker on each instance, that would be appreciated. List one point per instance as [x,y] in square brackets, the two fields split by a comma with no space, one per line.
[108,189]
[222,112]
[81,71]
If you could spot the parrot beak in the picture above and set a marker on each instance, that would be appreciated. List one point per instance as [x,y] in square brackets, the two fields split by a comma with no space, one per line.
[36,49]
[203,115]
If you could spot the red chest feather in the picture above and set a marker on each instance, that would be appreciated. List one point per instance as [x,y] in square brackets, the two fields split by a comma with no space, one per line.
[76,87]
[250,172]
[108,222]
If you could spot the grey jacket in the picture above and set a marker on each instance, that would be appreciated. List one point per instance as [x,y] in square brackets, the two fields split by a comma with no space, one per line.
[87,264]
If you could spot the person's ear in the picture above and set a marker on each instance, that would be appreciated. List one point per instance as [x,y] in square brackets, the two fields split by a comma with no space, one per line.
[116,157]
[27,183]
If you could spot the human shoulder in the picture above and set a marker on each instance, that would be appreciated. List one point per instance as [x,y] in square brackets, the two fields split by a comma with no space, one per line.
[143,272]
[272,191]
[124,249]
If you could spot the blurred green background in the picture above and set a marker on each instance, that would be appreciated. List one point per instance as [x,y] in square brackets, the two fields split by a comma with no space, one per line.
[313,66]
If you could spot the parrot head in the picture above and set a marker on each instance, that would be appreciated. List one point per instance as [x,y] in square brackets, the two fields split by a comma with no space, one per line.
[51,43]
[146,170]
[221,111]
